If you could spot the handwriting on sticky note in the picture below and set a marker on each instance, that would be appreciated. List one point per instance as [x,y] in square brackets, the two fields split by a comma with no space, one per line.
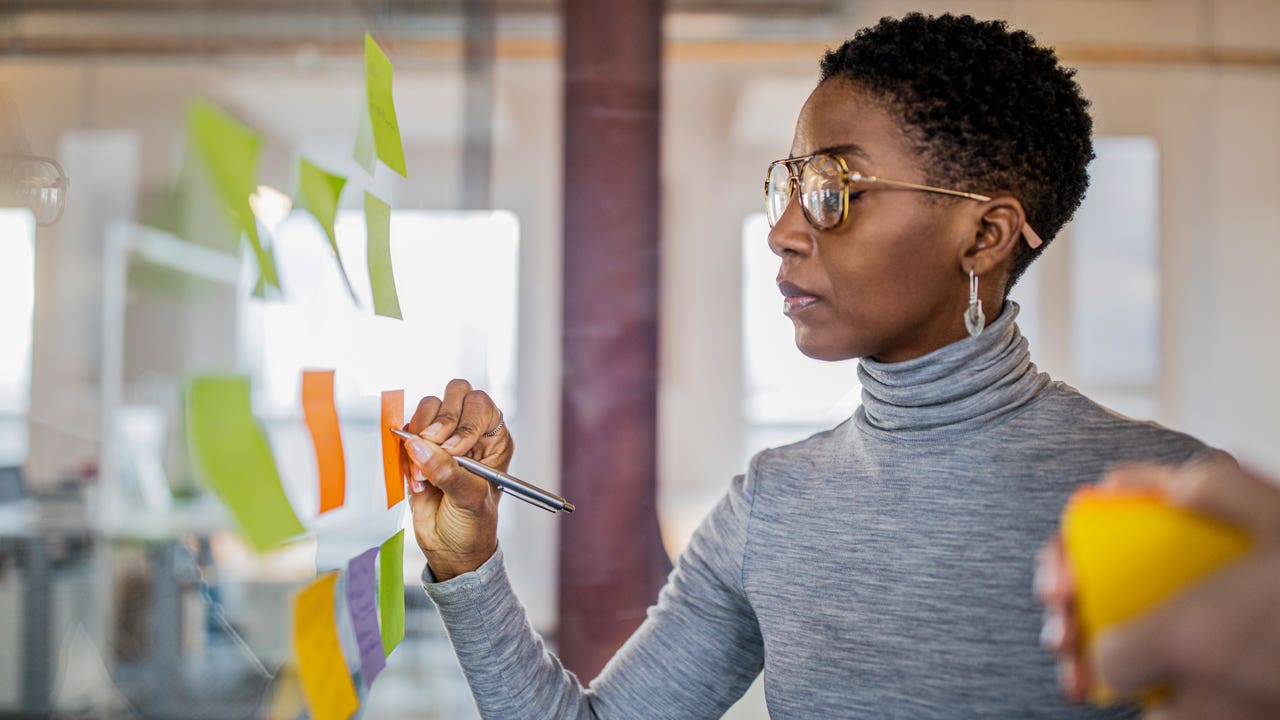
[381,108]
[392,454]
[228,151]
[231,454]
[318,193]
[362,604]
[382,280]
[391,591]
[322,420]
[325,679]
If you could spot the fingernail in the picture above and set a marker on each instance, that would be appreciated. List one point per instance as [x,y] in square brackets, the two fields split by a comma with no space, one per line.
[1053,632]
[418,451]
[434,429]
[451,443]
[419,486]
[1045,580]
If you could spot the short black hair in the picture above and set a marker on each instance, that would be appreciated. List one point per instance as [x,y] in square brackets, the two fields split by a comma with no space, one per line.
[987,108]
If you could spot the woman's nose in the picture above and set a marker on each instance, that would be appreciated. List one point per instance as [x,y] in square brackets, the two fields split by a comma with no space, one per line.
[791,234]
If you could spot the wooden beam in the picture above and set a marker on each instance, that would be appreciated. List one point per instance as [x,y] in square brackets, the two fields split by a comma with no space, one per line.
[677,50]
[612,561]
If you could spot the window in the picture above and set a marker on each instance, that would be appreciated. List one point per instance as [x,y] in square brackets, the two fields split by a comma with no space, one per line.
[17,302]
[1115,277]
[456,277]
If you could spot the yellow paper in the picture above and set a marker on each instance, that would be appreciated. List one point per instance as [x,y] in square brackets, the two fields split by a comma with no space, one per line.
[380,111]
[228,151]
[391,591]
[382,280]
[325,679]
[1128,551]
[231,455]
[318,193]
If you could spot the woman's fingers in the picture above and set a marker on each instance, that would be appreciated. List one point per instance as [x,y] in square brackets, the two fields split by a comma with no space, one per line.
[1215,485]
[449,412]
[1218,486]
[479,415]
[424,415]
[464,489]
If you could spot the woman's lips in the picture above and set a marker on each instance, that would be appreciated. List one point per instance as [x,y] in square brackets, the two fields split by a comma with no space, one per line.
[796,303]
[795,298]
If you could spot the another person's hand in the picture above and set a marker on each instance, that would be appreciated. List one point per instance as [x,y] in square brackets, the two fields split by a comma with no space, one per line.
[455,513]
[1217,644]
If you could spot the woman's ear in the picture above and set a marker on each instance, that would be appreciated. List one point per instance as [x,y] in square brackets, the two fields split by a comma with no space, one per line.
[998,226]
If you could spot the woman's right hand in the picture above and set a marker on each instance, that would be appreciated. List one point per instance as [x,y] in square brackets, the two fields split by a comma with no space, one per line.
[455,512]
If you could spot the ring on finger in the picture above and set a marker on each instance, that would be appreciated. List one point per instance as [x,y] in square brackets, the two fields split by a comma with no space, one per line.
[496,429]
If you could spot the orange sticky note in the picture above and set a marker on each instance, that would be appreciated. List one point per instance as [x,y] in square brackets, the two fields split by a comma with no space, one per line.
[392,470]
[322,420]
[325,679]
[1129,550]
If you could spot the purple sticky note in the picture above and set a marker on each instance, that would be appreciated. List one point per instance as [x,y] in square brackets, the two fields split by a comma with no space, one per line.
[363,604]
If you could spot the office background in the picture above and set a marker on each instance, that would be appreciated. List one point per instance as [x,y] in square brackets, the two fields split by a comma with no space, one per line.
[1159,300]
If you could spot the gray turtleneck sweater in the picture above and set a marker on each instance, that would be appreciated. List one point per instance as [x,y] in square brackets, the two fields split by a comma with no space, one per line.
[880,569]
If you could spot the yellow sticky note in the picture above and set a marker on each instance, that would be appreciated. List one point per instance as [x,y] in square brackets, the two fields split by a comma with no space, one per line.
[325,679]
[382,279]
[231,455]
[318,193]
[228,152]
[391,591]
[379,129]
[1130,550]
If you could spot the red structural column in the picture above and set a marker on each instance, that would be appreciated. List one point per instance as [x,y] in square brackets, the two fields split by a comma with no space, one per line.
[612,562]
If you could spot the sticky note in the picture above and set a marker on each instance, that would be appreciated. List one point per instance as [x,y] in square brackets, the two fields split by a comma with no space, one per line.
[231,455]
[379,130]
[330,693]
[362,604]
[1129,550]
[318,193]
[228,151]
[391,591]
[392,470]
[377,222]
[322,420]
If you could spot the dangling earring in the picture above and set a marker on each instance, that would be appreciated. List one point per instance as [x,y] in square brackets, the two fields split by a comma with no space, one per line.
[974,319]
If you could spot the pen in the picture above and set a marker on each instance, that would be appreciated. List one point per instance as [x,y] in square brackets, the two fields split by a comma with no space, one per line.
[509,484]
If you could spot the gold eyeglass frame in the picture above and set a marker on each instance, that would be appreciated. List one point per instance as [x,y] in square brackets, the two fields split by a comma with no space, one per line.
[796,165]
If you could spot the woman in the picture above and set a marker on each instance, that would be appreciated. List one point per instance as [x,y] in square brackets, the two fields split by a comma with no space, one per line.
[878,569]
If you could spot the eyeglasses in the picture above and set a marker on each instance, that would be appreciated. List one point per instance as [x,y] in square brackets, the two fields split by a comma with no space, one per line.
[825,184]
[36,183]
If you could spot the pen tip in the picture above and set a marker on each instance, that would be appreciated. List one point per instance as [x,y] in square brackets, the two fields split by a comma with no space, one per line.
[568,507]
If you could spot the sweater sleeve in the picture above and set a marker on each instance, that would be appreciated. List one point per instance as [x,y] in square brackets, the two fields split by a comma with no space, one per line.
[695,654]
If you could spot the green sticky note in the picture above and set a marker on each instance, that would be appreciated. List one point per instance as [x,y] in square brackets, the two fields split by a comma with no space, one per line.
[377,222]
[379,112]
[228,151]
[318,193]
[231,455]
[391,591]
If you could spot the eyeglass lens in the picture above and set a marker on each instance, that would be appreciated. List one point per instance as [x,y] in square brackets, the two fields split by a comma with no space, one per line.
[821,191]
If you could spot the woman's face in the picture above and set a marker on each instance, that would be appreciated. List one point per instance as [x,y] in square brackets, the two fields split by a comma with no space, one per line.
[887,283]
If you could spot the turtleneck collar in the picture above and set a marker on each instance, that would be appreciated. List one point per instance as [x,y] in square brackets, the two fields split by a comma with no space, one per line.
[966,386]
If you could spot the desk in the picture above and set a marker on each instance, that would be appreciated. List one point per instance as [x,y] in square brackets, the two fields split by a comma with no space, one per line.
[41,533]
